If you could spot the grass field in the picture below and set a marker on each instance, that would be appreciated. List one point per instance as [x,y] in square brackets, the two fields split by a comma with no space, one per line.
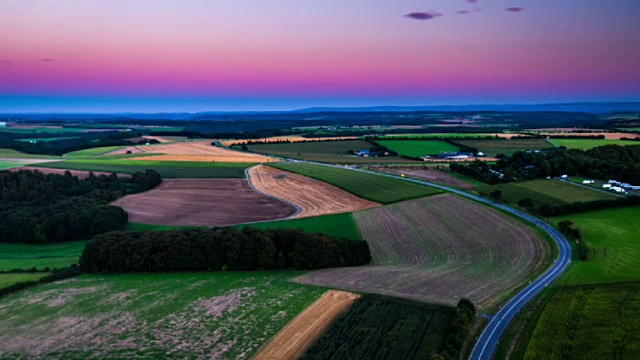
[48,139]
[168,169]
[10,279]
[338,225]
[442,135]
[552,192]
[372,187]
[586,144]
[27,256]
[507,146]
[418,148]
[5,164]
[325,151]
[188,315]
[92,152]
[13,154]
[380,327]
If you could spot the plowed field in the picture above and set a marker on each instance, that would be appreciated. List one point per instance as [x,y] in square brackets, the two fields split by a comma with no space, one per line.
[312,196]
[202,202]
[440,249]
[292,341]
[196,151]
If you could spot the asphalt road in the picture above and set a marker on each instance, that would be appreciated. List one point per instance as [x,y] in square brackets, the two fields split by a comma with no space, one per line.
[488,341]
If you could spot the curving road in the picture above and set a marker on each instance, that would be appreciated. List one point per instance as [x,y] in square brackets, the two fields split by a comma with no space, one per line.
[488,341]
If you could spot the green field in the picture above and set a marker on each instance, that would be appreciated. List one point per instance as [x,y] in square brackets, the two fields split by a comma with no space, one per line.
[168,169]
[42,130]
[378,188]
[378,327]
[188,315]
[418,148]
[7,164]
[49,139]
[586,144]
[27,256]
[325,151]
[13,154]
[506,146]
[552,192]
[441,136]
[92,152]
[338,225]
[614,246]
[14,278]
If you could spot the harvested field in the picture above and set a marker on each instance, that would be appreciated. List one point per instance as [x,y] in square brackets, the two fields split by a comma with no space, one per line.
[230,158]
[203,202]
[294,340]
[432,175]
[314,197]
[80,174]
[276,139]
[440,249]
[196,151]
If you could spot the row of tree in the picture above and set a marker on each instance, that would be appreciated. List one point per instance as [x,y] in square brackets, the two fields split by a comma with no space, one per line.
[220,249]
[45,208]
[567,229]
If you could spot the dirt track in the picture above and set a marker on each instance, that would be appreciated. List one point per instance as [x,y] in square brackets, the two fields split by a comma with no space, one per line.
[432,175]
[202,202]
[314,197]
[295,338]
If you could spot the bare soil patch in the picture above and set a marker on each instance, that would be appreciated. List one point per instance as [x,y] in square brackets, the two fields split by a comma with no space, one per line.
[432,175]
[314,197]
[203,202]
[79,173]
[294,340]
[440,249]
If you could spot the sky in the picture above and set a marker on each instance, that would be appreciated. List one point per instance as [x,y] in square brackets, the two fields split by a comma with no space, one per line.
[230,55]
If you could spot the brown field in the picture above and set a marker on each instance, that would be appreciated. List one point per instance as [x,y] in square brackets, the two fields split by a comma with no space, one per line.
[432,175]
[299,334]
[440,249]
[288,138]
[79,173]
[202,202]
[314,197]
[196,151]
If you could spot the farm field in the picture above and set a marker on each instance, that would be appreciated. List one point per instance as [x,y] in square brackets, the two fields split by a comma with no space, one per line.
[451,136]
[614,246]
[325,151]
[14,278]
[202,202]
[80,174]
[196,151]
[432,175]
[552,192]
[292,138]
[13,154]
[168,169]
[48,139]
[312,196]
[92,152]
[507,146]
[586,144]
[440,249]
[418,148]
[183,315]
[372,187]
[385,328]
[27,256]
[338,225]
[293,341]
[588,322]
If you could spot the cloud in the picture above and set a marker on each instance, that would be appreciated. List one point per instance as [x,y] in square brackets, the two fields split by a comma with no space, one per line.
[473,1]
[515,9]
[6,63]
[45,60]
[463,12]
[423,15]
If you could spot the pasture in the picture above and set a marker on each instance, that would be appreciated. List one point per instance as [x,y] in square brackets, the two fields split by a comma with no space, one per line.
[87,153]
[337,225]
[312,196]
[27,256]
[168,169]
[377,188]
[325,151]
[418,148]
[440,249]
[586,144]
[13,154]
[14,278]
[187,315]
[202,202]
[437,176]
[506,146]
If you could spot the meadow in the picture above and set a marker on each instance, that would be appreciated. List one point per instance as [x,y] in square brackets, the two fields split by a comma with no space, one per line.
[506,146]
[188,315]
[442,135]
[418,148]
[586,144]
[338,225]
[378,188]
[92,152]
[168,169]
[13,154]
[14,278]
[27,256]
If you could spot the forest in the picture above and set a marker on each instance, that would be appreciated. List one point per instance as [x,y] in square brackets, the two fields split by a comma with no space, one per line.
[220,249]
[39,208]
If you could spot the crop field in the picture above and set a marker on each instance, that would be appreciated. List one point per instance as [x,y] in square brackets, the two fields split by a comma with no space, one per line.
[325,151]
[586,144]
[202,202]
[168,169]
[312,196]
[507,146]
[196,151]
[614,246]
[384,328]
[27,256]
[377,188]
[418,148]
[92,152]
[337,225]
[185,315]
[589,322]
[440,249]
[552,192]
[451,136]
[294,340]
[292,138]
[432,175]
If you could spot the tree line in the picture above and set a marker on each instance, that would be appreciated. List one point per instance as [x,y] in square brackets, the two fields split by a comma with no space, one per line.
[47,208]
[220,249]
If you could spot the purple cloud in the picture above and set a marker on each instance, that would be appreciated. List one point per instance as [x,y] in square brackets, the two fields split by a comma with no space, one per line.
[423,15]
[473,1]
[463,12]
[45,60]
[6,63]
[515,9]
